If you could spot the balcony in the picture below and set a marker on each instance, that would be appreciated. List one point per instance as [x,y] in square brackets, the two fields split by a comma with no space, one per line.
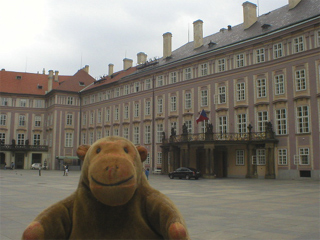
[23,148]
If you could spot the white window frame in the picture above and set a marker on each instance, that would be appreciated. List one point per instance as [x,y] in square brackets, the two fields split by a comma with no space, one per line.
[189,125]
[3,119]
[126,90]
[70,100]
[136,135]
[303,119]
[188,73]
[240,158]
[188,100]
[221,66]
[277,50]
[173,77]
[136,109]
[204,98]
[173,103]
[281,121]
[159,132]
[147,134]
[159,158]
[23,102]
[68,139]
[242,123]
[240,60]
[160,105]
[137,87]
[116,113]
[203,69]
[304,156]
[69,119]
[160,81]
[36,139]
[126,112]
[261,88]
[241,91]
[20,139]
[262,119]
[148,84]
[298,44]
[260,55]
[126,132]
[22,120]
[282,156]
[37,121]
[279,84]
[148,108]
[223,124]
[301,80]
[261,156]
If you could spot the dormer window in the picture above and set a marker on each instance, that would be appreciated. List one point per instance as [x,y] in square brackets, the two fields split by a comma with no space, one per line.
[19,77]
[81,84]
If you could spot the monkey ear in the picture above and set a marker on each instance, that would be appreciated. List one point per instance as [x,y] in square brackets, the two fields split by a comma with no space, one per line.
[82,151]
[143,153]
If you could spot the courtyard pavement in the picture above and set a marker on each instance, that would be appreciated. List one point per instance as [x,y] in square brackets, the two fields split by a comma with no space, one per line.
[212,208]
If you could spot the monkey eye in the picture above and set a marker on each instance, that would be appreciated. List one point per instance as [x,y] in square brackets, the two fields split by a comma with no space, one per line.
[98,150]
[126,149]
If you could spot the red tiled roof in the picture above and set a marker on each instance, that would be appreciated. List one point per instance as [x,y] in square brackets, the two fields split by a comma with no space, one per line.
[113,78]
[37,84]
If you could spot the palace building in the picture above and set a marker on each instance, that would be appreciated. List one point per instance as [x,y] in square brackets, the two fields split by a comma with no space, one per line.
[258,83]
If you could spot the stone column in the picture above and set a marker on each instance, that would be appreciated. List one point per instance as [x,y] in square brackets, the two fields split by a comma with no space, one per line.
[209,170]
[164,160]
[251,169]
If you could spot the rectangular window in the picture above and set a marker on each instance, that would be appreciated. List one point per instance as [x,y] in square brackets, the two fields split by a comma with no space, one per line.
[99,135]
[189,126]
[222,95]
[38,103]
[69,119]
[116,132]
[92,98]
[23,102]
[173,77]
[22,120]
[304,156]
[239,157]
[188,100]
[108,115]
[148,108]
[136,86]
[99,97]
[282,157]
[301,82]
[136,135]
[260,55]
[187,73]
[221,65]
[241,91]
[148,84]
[261,156]
[159,132]
[91,118]
[203,69]
[3,119]
[242,123]
[281,120]
[204,98]
[318,38]
[223,124]
[4,101]
[107,132]
[136,110]
[160,105]
[126,90]
[126,133]
[159,160]
[91,138]
[2,138]
[298,44]
[147,134]
[173,103]
[160,81]
[117,92]
[240,60]
[126,112]
[69,100]
[279,84]
[37,121]
[303,119]
[116,114]
[36,139]
[277,50]
[262,119]
[69,140]
[99,120]
[20,138]
[83,138]
[84,119]
[108,95]
[261,88]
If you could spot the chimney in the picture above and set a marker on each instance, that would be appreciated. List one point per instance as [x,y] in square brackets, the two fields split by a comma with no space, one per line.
[50,80]
[43,71]
[86,68]
[127,63]
[56,76]
[142,58]
[293,3]
[249,14]
[110,69]
[197,34]
[167,44]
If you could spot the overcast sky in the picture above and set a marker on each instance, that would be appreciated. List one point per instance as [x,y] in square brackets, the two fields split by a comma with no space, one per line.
[66,35]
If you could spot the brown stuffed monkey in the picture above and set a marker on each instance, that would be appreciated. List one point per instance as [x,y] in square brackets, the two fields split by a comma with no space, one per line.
[113,200]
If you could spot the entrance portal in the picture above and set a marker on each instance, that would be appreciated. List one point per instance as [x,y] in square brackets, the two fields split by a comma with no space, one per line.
[19,160]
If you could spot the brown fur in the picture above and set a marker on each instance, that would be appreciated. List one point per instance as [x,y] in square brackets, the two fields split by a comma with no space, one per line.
[113,200]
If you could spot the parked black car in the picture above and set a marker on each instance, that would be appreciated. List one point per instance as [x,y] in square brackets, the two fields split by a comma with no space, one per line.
[185,172]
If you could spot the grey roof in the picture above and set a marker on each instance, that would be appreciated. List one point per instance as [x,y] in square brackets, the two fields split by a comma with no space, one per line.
[277,19]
